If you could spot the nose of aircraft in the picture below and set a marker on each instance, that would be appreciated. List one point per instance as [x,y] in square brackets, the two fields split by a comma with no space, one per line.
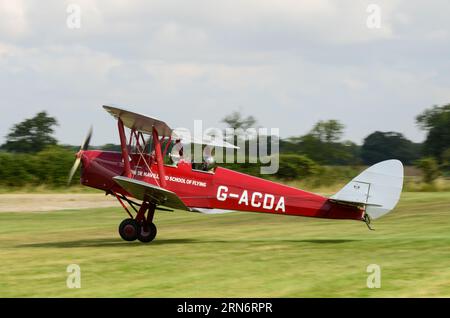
[79,155]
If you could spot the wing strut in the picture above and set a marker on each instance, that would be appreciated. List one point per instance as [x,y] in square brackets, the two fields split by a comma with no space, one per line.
[159,158]
[123,145]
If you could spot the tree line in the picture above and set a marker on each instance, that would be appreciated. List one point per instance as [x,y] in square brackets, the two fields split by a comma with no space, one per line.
[31,154]
[323,146]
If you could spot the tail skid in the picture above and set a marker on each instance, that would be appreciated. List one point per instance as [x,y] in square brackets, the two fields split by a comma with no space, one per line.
[377,189]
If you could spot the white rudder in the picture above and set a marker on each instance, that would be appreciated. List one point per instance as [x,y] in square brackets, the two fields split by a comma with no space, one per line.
[378,188]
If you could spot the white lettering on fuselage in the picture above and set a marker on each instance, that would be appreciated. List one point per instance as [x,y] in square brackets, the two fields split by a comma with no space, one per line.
[169,178]
[255,199]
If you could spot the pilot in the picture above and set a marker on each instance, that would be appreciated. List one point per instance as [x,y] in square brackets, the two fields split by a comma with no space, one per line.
[208,164]
[176,154]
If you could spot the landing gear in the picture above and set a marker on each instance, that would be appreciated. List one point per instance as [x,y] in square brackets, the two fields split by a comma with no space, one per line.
[147,233]
[129,229]
[366,219]
[141,227]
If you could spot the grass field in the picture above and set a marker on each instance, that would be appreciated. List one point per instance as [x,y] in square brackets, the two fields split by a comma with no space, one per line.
[232,255]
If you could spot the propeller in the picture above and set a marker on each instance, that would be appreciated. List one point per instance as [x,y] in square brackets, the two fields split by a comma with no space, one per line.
[84,147]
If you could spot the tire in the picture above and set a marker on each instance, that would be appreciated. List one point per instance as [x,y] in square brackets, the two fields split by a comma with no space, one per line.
[128,230]
[146,237]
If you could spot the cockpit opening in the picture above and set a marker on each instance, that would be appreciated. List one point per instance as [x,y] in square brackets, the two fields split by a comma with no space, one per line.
[177,154]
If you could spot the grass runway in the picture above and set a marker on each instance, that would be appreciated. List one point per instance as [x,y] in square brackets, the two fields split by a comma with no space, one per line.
[231,255]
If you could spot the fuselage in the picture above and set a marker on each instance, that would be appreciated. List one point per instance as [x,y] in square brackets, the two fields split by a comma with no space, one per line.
[219,189]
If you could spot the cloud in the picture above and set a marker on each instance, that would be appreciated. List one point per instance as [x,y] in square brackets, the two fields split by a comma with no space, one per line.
[13,21]
[289,63]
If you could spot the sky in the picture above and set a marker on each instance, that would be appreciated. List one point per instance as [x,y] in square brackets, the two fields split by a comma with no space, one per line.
[289,63]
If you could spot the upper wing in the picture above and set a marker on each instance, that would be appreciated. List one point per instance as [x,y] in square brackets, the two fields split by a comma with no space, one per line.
[185,135]
[145,124]
[147,192]
[140,122]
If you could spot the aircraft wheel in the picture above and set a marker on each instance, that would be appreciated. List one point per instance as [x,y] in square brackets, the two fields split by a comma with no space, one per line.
[147,236]
[129,229]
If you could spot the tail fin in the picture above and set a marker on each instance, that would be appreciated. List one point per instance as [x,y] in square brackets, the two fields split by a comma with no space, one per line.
[378,188]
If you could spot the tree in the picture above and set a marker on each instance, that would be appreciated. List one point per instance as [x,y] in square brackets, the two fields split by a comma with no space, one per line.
[52,165]
[295,167]
[111,147]
[47,167]
[236,121]
[430,169]
[31,135]
[380,146]
[322,145]
[436,122]
[16,169]
[446,161]
[328,131]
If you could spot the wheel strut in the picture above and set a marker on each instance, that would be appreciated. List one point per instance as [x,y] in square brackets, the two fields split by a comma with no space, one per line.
[147,231]
[140,227]
[366,219]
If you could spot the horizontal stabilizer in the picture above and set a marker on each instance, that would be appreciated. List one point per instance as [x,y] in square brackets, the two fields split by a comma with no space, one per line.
[378,188]
[147,192]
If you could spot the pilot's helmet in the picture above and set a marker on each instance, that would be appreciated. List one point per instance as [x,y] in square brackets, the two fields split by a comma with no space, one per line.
[175,157]
[209,162]
[177,153]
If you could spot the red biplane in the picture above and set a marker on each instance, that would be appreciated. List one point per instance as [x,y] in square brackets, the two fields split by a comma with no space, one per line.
[139,172]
